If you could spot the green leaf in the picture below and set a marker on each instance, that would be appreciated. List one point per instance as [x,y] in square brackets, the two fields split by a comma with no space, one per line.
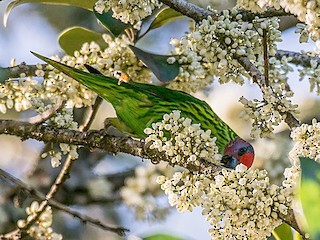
[162,237]
[164,17]
[115,26]
[310,195]
[158,64]
[4,74]
[71,39]
[86,4]
[297,236]
[283,232]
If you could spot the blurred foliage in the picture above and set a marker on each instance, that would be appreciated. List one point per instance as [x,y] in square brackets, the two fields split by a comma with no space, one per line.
[161,237]
[310,195]
[283,232]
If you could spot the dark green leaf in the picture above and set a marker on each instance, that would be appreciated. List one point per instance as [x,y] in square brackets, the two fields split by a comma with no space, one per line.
[283,232]
[4,74]
[162,237]
[158,64]
[71,39]
[116,27]
[310,195]
[164,17]
[86,4]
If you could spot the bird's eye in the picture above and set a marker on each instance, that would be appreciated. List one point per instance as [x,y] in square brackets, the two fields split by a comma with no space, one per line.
[242,151]
[229,161]
[117,74]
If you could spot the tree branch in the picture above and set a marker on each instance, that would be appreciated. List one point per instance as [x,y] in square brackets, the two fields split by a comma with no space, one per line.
[302,59]
[92,139]
[188,9]
[16,71]
[197,13]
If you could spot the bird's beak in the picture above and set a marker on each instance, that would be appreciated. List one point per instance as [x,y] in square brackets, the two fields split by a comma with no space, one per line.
[229,161]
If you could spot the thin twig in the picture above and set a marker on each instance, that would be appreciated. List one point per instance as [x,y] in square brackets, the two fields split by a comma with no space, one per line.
[42,117]
[91,114]
[52,192]
[265,56]
[62,177]
[84,218]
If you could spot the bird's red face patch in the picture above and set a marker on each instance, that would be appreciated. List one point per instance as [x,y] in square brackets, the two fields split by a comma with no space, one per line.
[238,151]
[247,159]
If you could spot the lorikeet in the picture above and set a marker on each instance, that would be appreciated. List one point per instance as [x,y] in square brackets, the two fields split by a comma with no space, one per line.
[139,105]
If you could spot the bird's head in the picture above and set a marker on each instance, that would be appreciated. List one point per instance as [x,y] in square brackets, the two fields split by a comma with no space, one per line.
[236,152]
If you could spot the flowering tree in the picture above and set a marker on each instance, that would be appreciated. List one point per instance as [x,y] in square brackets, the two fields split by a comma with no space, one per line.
[235,45]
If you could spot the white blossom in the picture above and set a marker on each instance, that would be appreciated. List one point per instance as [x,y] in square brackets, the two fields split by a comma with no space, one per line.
[183,142]
[306,11]
[41,229]
[270,111]
[212,48]
[238,203]
[127,11]
[140,192]
[306,142]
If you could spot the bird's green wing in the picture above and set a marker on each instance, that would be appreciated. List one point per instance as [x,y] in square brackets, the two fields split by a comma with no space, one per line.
[139,105]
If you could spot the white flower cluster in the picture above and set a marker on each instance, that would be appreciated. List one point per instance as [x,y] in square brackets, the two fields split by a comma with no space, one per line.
[270,111]
[184,190]
[239,204]
[193,74]
[62,119]
[41,229]
[306,141]
[56,155]
[242,204]
[278,69]
[185,143]
[131,11]
[141,191]
[17,94]
[304,34]
[313,74]
[306,11]
[116,57]
[211,49]
[305,144]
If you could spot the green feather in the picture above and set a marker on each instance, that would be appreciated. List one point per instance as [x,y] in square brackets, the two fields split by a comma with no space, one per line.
[139,105]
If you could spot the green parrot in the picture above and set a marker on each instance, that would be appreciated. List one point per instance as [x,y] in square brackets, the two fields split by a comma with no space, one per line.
[139,105]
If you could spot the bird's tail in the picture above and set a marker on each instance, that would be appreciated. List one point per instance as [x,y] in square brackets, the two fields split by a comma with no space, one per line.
[105,87]
[86,79]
